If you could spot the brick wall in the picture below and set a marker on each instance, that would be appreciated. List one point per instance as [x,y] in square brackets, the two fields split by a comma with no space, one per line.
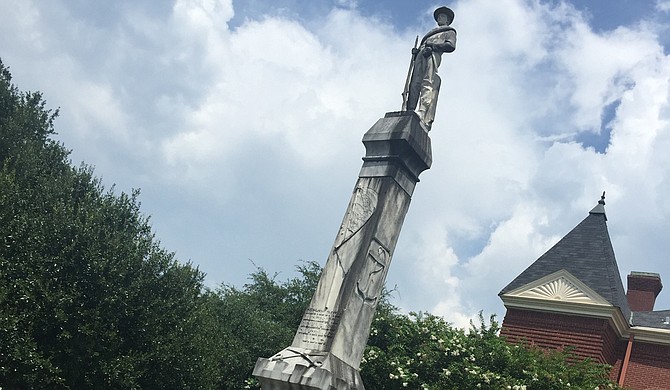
[620,353]
[643,288]
[641,300]
[592,337]
[649,367]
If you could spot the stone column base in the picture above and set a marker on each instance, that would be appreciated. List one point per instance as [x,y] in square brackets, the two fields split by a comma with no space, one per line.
[302,369]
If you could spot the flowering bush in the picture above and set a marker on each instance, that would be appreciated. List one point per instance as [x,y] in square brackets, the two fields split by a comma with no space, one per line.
[417,351]
[422,351]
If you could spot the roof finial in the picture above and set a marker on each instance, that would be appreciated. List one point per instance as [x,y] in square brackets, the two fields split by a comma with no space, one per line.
[600,207]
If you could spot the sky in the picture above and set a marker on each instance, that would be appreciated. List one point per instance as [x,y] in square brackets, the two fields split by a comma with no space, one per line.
[241,122]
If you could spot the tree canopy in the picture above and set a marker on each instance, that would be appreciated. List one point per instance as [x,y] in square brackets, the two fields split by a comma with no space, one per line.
[89,299]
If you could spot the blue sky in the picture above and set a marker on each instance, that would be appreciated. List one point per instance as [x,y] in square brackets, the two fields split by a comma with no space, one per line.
[241,122]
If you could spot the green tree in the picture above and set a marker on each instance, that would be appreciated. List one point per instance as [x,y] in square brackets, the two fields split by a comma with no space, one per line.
[260,319]
[88,299]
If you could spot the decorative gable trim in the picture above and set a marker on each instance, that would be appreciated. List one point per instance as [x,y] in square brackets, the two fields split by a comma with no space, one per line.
[562,286]
[562,292]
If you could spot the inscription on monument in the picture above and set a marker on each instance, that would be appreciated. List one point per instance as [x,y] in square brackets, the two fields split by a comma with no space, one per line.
[318,327]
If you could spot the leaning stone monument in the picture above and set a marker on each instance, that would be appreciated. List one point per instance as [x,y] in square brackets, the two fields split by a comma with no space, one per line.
[328,346]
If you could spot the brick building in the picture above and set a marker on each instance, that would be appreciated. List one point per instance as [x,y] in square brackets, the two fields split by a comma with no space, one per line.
[573,296]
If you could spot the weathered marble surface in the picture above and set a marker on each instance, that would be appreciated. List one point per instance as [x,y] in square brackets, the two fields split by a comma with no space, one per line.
[423,82]
[328,346]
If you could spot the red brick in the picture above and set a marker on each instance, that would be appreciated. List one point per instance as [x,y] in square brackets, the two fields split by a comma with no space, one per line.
[649,365]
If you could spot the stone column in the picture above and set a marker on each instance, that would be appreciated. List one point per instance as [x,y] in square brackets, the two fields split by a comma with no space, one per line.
[328,346]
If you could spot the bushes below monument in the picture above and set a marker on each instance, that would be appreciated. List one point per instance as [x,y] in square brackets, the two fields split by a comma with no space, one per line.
[422,351]
[405,351]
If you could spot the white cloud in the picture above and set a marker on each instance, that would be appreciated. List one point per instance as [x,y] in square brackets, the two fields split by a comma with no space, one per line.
[300,90]
[204,15]
[250,135]
[600,67]
[663,5]
[505,182]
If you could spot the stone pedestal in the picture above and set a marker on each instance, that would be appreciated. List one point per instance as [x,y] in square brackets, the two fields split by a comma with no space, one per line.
[328,346]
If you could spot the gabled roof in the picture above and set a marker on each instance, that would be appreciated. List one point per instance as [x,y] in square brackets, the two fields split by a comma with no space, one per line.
[585,252]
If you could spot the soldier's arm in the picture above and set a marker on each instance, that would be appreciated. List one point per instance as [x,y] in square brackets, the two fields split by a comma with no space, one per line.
[449,43]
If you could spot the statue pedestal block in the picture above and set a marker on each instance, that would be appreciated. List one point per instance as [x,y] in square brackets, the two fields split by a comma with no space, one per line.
[300,369]
[329,343]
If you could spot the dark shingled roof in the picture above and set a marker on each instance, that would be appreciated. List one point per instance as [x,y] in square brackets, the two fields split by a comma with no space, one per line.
[653,319]
[586,252]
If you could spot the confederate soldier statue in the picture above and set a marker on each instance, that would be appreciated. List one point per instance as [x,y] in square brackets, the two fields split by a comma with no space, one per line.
[423,82]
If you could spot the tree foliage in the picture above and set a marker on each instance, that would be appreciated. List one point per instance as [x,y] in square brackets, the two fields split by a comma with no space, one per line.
[404,351]
[88,299]
[260,319]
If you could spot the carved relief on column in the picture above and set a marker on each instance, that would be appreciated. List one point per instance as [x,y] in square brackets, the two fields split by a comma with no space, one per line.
[371,280]
[363,205]
[322,318]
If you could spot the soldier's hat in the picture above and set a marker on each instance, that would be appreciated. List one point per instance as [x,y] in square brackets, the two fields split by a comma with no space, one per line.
[444,10]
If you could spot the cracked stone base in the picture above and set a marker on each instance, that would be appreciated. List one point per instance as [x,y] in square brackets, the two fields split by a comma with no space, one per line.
[302,369]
